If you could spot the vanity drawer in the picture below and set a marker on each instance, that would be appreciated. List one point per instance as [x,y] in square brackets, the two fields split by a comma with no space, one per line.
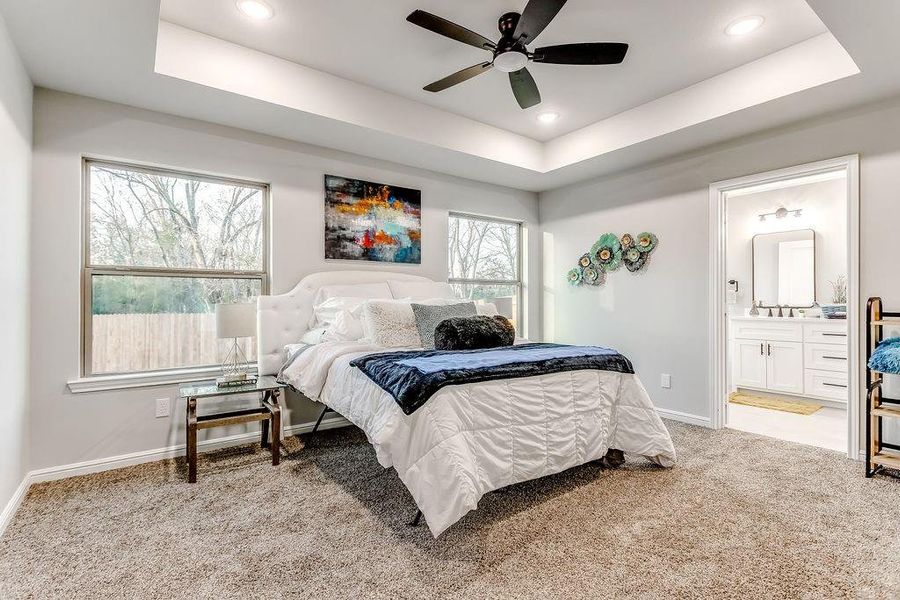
[825,332]
[825,357]
[762,328]
[825,384]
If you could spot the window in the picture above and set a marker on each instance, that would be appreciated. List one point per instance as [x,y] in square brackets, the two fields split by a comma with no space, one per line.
[486,262]
[161,250]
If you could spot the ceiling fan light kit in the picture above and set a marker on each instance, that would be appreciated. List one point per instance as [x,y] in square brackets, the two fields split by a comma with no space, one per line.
[511,54]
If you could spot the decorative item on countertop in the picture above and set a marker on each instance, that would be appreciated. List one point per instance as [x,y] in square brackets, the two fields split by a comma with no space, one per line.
[838,307]
[754,310]
[233,321]
[609,253]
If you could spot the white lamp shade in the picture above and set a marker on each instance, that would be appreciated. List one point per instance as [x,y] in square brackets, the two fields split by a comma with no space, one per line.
[235,320]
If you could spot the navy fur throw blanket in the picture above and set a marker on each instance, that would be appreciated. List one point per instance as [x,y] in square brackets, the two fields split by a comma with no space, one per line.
[473,333]
[412,376]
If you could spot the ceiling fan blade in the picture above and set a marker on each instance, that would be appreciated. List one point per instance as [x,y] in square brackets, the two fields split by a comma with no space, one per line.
[458,77]
[449,29]
[524,88]
[592,53]
[536,16]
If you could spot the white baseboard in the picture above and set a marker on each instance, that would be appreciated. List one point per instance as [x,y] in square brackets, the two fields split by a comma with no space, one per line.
[683,417]
[9,511]
[136,458]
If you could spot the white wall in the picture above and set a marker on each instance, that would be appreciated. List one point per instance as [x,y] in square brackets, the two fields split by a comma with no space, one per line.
[15,173]
[661,318]
[81,427]
[824,206]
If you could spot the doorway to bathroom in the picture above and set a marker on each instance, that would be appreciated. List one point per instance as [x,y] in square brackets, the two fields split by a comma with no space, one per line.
[784,285]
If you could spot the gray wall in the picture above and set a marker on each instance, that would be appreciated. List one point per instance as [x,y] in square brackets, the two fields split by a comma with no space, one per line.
[15,173]
[80,427]
[661,317]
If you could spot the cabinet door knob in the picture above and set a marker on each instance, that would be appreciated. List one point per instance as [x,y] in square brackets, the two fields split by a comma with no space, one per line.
[769,346]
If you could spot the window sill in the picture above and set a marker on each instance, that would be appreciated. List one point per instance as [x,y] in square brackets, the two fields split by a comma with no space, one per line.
[104,383]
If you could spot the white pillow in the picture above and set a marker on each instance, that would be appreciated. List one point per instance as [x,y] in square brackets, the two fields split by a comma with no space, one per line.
[314,336]
[391,324]
[420,290]
[325,313]
[291,349]
[354,290]
[487,309]
[347,327]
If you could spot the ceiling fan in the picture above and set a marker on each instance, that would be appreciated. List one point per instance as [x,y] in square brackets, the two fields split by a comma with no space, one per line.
[511,54]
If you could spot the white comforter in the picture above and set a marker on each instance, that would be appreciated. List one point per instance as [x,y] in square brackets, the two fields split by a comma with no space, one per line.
[468,440]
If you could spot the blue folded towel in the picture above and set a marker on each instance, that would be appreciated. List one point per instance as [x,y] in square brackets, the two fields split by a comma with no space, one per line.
[886,357]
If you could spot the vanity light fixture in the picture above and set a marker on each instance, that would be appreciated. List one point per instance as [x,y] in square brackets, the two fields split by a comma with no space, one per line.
[744,25]
[255,9]
[781,213]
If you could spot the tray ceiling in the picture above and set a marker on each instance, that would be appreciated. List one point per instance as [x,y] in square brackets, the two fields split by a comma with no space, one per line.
[347,75]
[672,45]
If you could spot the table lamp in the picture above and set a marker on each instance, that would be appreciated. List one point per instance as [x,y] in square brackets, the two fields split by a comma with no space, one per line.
[234,321]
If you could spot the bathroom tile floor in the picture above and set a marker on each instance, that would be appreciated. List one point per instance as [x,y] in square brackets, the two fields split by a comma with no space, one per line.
[825,428]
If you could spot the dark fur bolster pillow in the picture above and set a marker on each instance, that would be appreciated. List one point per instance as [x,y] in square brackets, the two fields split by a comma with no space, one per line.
[472,333]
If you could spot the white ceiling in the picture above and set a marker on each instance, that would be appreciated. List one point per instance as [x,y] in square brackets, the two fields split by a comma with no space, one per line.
[672,45]
[121,52]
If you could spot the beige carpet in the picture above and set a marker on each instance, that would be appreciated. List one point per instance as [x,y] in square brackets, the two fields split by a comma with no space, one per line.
[774,403]
[741,516]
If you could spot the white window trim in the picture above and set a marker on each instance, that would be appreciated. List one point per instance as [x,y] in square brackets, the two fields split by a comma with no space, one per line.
[103,383]
[87,382]
[520,282]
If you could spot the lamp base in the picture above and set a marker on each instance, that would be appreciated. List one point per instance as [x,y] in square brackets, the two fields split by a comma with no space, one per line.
[234,379]
[234,368]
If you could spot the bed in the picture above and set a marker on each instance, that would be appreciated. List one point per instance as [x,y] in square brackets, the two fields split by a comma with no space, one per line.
[469,439]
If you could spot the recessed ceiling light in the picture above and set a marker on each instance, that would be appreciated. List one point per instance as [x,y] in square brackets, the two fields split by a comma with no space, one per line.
[255,9]
[744,25]
[548,117]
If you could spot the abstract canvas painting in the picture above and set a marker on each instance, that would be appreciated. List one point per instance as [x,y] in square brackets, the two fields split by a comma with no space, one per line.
[372,221]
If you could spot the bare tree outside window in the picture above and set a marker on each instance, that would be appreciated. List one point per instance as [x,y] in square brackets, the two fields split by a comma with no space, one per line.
[163,249]
[484,261]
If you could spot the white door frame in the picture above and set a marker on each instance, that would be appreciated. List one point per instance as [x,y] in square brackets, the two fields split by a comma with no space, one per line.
[718,192]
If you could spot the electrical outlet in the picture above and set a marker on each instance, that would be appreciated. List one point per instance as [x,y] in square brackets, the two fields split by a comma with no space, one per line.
[162,407]
[665,381]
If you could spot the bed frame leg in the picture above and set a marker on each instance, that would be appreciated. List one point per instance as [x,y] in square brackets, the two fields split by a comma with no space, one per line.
[415,522]
[319,420]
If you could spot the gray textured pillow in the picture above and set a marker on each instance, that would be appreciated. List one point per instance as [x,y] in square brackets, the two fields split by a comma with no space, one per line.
[429,315]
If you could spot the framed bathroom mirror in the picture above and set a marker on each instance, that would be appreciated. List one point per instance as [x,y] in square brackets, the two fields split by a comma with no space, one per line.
[784,268]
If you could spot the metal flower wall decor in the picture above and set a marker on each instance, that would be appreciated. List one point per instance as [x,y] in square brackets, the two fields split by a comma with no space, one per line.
[609,253]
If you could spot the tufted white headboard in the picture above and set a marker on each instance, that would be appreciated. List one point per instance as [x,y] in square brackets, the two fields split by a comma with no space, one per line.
[283,319]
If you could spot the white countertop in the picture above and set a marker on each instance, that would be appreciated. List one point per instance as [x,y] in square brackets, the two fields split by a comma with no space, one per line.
[790,319]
